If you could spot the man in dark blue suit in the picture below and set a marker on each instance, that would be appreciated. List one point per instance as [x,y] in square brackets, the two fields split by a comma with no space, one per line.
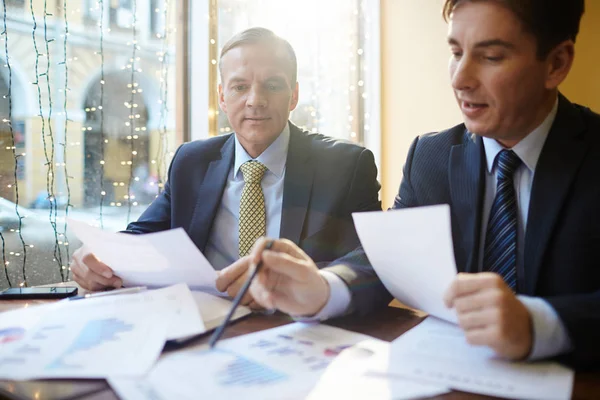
[522,178]
[269,178]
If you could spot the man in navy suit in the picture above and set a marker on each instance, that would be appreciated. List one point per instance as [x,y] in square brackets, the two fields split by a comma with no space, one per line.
[522,178]
[310,183]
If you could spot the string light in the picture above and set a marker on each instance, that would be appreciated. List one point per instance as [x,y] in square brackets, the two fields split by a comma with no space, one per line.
[163,144]
[103,140]
[8,96]
[132,85]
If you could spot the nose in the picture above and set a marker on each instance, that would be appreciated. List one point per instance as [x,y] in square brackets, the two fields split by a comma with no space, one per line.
[463,74]
[256,98]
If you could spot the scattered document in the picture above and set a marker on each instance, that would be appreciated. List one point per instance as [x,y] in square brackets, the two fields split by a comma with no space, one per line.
[279,363]
[176,304]
[350,376]
[121,340]
[411,251]
[14,324]
[437,352]
[153,259]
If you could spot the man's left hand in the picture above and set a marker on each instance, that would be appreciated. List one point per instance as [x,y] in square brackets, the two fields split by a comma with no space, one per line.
[491,314]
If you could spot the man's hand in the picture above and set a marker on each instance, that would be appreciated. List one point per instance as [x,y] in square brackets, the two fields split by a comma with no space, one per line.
[288,280]
[491,315]
[91,273]
[233,277]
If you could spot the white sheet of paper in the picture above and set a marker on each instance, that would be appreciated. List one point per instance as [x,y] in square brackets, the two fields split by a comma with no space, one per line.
[348,377]
[436,351]
[88,342]
[411,251]
[178,305]
[213,309]
[15,324]
[154,259]
[284,362]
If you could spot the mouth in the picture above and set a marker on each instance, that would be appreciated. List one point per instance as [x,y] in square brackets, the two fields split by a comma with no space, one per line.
[256,119]
[468,105]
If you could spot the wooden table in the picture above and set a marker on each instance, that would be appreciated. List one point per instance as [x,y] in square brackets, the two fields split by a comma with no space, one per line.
[386,325]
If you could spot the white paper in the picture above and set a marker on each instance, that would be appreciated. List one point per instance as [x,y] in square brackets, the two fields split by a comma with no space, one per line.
[174,303]
[437,352]
[411,251]
[349,376]
[279,363]
[77,342]
[214,309]
[153,259]
[15,324]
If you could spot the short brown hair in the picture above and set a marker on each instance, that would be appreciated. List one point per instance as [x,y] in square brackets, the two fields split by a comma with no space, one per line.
[259,35]
[550,21]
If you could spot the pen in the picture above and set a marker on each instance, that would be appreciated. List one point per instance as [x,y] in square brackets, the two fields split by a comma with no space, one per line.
[114,292]
[236,301]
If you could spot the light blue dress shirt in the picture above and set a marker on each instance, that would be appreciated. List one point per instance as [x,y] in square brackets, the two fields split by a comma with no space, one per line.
[550,337]
[222,247]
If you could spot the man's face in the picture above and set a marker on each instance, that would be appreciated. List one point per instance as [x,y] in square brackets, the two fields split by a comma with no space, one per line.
[500,85]
[257,93]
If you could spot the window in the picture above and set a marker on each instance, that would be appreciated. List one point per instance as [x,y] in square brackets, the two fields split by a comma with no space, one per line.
[328,37]
[103,156]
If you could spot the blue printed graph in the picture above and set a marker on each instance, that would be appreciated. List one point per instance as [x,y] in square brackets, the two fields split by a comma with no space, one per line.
[94,334]
[244,372]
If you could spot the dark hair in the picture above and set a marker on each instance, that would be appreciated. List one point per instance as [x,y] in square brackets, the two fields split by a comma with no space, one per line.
[262,35]
[550,21]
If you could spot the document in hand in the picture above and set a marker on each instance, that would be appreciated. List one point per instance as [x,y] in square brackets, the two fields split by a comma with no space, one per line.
[411,251]
[279,363]
[437,352]
[153,259]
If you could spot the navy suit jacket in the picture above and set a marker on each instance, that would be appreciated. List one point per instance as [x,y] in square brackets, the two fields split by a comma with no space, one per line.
[326,180]
[562,242]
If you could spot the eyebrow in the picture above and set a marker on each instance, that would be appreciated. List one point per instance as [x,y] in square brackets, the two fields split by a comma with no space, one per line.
[486,43]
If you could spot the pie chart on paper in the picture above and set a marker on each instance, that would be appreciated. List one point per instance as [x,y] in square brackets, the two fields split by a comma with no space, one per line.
[8,335]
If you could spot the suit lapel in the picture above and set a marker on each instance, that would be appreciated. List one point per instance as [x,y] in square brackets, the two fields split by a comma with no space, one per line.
[466,190]
[210,193]
[297,185]
[559,161]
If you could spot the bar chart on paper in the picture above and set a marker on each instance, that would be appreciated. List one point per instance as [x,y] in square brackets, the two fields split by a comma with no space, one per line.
[92,338]
[77,344]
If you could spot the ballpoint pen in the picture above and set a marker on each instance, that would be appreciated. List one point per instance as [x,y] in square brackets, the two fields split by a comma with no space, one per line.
[114,292]
[236,301]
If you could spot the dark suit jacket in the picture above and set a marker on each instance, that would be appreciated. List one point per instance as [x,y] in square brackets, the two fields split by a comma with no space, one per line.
[325,181]
[562,242]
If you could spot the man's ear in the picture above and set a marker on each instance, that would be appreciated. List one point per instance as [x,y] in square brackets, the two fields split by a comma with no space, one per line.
[221,98]
[294,101]
[559,63]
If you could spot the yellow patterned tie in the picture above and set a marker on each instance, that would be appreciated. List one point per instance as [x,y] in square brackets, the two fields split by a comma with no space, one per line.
[252,206]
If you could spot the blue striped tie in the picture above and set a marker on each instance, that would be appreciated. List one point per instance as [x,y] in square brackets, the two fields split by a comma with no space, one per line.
[500,254]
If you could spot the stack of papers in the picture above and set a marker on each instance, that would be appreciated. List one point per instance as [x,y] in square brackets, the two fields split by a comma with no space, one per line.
[280,363]
[82,339]
[437,352]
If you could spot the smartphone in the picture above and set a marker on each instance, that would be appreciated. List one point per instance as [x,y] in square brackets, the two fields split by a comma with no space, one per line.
[27,293]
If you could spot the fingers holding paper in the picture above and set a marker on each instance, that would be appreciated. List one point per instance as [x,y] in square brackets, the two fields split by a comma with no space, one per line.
[491,314]
[91,273]
[288,280]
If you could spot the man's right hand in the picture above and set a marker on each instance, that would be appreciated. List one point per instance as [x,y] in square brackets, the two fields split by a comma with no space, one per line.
[288,280]
[91,273]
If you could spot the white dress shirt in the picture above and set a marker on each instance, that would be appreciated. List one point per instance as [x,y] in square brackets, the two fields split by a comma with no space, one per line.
[550,337]
[222,247]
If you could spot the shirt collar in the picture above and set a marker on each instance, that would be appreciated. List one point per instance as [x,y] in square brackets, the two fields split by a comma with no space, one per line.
[274,157]
[528,149]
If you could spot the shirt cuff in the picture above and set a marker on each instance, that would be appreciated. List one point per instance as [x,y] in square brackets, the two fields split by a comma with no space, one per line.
[550,337]
[338,302]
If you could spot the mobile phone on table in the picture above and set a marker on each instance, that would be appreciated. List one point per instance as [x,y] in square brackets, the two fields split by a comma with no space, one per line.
[28,293]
